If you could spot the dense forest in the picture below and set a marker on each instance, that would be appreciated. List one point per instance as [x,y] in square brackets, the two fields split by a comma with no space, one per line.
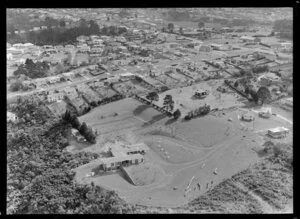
[57,35]
[61,35]
[39,172]
[284,27]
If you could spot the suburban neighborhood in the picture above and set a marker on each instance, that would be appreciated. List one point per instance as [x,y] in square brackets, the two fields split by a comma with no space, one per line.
[143,110]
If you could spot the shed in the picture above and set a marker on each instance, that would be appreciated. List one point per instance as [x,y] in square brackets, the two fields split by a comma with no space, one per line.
[248,117]
[265,112]
[278,132]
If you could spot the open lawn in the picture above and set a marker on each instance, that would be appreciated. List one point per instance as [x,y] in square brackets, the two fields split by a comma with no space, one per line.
[190,157]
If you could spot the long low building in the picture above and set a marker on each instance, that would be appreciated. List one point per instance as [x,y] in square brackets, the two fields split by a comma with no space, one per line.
[112,163]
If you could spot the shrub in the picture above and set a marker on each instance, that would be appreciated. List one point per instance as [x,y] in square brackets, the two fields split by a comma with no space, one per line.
[16,86]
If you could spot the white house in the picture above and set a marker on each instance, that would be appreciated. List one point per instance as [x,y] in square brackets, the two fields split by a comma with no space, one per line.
[278,132]
[247,39]
[9,56]
[70,46]
[247,117]
[11,117]
[265,112]
[82,38]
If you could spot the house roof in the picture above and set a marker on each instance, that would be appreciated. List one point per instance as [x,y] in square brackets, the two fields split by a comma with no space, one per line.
[118,150]
[247,38]
[110,160]
[278,129]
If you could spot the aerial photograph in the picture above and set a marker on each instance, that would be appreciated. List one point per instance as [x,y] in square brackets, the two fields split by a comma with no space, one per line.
[149,110]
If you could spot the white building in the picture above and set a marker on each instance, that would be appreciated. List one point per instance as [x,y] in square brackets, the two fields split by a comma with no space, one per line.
[9,56]
[278,132]
[247,39]
[11,117]
[265,112]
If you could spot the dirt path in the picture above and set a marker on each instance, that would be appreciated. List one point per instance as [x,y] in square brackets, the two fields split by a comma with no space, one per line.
[283,118]
[266,207]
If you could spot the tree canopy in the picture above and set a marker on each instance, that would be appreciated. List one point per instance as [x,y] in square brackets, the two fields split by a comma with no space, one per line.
[39,176]
[171,27]
[152,96]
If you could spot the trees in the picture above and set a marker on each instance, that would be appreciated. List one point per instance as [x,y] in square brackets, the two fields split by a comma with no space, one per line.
[168,103]
[16,86]
[177,114]
[201,24]
[32,70]
[171,27]
[263,94]
[283,25]
[259,69]
[253,95]
[152,96]
[123,13]
[201,111]
[181,30]
[62,23]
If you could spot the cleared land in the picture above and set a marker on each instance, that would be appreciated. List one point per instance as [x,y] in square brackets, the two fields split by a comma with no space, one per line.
[183,152]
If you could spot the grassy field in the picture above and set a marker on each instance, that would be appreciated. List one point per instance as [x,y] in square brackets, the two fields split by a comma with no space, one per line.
[187,152]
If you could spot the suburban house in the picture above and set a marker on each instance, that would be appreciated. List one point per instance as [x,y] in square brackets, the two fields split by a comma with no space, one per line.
[15,51]
[83,48]
[216,46]
[268,78]
[247,117]
[9,56]
[278,132]
[70,46]
[247,39]
[11,117]
[82,39]
[265,112]
[127,75]
[289,102]
[55,96]
[201,93]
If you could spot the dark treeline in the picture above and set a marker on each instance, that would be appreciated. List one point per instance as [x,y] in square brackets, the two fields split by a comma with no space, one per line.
[55,36]
[59,35]
[285,28]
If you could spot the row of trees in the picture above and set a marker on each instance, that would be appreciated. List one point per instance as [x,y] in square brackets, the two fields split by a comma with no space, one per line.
[168,103]
[83,129]
[201,111]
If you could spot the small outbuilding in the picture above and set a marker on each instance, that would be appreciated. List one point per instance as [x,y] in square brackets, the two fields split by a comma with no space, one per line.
[278,132]
[265,112]
[248,117]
